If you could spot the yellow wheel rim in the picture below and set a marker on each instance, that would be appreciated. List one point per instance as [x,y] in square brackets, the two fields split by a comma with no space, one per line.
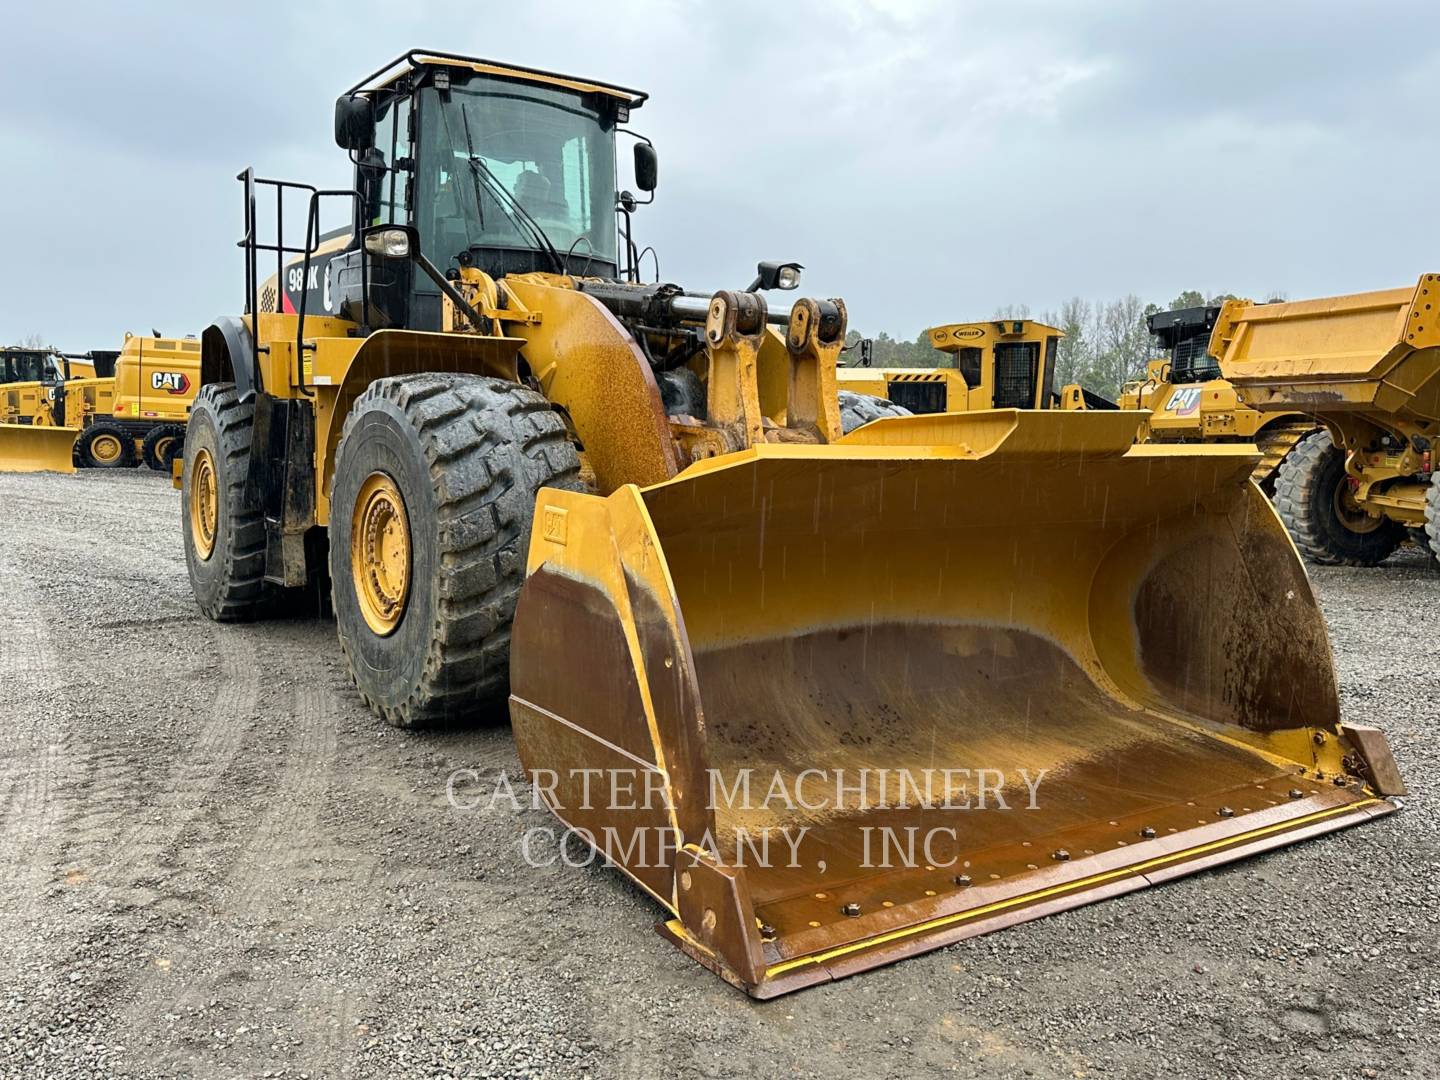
[380,553]
[106,449]
[204,504]
[1351,514]
[163,448]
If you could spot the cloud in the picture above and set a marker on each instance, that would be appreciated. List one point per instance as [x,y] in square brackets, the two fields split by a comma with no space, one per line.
[929,161]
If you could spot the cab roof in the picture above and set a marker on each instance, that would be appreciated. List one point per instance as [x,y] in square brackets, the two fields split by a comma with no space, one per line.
[416,59]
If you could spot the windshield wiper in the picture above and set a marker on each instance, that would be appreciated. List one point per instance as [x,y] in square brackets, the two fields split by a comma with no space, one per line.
[511,205]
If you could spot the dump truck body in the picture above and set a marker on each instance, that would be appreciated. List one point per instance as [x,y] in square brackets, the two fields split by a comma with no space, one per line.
[1367,366]
[631,511]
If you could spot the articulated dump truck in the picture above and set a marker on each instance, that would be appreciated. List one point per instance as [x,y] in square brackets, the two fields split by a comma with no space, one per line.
[1367,367]
[720,621]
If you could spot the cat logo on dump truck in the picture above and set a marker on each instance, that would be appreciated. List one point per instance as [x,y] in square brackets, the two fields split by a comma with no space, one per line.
[1184,402]
[172,382]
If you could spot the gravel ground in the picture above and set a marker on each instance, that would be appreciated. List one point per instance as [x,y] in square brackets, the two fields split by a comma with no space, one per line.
[218,864]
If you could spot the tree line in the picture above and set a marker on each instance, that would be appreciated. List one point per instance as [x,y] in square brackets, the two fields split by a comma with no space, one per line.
[1106,343]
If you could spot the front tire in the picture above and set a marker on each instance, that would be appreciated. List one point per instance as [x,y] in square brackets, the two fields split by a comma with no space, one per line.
[106,446]
[1311,496]
[434,490]
[224,535]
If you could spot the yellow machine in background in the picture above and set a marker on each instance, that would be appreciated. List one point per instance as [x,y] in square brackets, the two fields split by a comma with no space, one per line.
[114,408]
[541,478]
[1366,366]
[156,379]
[1189,401]
[24,364]
[1001,364]
[32,438]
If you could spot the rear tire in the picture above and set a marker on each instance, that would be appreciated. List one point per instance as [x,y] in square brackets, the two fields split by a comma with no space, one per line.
[1431,531]
[857,410]
[106,446]
[162,445]
[1309,496]
[224,535]
[424,595]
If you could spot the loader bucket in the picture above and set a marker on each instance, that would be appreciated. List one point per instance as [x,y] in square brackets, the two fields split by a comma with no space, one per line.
[36,448]
[959,671]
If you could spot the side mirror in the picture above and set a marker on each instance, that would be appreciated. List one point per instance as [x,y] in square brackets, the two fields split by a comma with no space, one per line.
[354,123]
[647,164]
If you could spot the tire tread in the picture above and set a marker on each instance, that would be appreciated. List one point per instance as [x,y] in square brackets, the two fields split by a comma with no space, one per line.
[464,424]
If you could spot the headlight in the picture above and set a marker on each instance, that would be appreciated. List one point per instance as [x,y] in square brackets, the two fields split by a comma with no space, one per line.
[388,243]
[789,277]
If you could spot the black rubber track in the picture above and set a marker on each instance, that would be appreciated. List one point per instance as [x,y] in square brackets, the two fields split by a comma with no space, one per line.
[468,454]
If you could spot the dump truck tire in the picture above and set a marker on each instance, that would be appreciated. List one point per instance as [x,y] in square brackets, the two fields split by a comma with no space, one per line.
[224,536]
[106,446]
[1307,497]
[162,445]
[1429,540]
[434,492]
[857,410]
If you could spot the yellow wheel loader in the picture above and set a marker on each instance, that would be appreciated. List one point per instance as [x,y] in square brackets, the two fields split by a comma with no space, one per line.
[103,410]
[1001,364]
[722,623]
[1367,367]
[1189,400]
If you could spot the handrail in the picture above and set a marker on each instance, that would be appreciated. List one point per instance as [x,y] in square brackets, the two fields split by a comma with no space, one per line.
[250,242]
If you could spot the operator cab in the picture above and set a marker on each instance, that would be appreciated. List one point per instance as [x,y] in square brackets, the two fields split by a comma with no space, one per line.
[507,169]
[30,365]
[1185,337]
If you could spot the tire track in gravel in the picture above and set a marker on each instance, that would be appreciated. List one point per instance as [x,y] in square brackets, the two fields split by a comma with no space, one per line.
[190,785]
[107,798]
[34,765]
[282,851]
[259,892]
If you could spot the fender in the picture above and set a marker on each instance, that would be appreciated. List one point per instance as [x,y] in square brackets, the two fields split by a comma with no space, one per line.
[226,353]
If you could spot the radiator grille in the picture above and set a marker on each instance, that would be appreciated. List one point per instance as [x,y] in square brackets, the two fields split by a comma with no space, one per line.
[1017,363]
[918,397]
[1190,362]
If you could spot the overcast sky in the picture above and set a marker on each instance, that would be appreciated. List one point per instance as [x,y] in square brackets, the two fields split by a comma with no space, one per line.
[926,161]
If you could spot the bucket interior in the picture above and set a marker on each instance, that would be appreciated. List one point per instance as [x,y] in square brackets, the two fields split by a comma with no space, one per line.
[897,651]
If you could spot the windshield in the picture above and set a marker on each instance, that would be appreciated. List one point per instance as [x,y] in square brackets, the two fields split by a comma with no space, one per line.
[515,167]
[27,367]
